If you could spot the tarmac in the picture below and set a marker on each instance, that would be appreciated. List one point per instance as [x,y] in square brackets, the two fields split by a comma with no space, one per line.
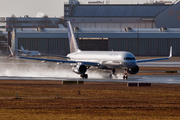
[158,79]
[160,64]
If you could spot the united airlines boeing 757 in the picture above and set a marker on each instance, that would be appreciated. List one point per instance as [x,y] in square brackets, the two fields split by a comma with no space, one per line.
[111,60]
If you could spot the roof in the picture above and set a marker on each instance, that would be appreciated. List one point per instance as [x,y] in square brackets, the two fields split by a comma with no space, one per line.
[43,30]
[118,10]
[100,30]
[98,33]
[33,18]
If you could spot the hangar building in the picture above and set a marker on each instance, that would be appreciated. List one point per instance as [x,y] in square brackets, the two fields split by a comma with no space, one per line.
[141,42]
[135,28]
[154,15]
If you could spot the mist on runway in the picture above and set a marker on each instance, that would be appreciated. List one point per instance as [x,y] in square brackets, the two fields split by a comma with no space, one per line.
[36,69]
[29,68]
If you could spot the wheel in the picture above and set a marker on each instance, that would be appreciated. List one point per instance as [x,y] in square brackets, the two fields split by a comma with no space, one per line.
[125,77]
[113,71]
[86,76]
[82,75]
[110,76]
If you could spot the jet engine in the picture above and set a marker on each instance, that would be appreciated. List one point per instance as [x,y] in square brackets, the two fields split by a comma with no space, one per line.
[133,70]
[79,69]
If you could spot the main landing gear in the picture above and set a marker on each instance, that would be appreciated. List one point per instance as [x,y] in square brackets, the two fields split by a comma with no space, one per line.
[84,76]
[125,76]
[113,73]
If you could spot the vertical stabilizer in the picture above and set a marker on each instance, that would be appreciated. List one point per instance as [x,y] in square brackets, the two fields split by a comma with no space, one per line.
[22,48]
[170,54]
[72,40]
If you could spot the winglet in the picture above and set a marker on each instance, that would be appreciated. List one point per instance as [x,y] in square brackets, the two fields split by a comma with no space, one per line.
[170,54]
[12,54]
[11,51]
[156,59]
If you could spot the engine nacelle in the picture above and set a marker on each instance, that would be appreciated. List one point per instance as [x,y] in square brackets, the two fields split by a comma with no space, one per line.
[133,70]
[79,69]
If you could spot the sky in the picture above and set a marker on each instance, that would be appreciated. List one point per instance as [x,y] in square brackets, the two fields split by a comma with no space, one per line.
[52,8]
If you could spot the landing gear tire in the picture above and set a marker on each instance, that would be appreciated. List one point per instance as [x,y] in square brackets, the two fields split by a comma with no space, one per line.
[125,77]
[110,76]
[84,76]
[113,73]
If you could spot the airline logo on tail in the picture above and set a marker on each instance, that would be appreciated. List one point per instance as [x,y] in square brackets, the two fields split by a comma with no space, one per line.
[72,40]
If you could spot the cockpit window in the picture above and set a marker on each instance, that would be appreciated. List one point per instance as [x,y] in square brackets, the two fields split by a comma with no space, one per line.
[129,58]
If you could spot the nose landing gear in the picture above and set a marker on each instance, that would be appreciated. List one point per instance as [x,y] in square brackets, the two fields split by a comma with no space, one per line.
[113,72]
[84,76]
[125,76]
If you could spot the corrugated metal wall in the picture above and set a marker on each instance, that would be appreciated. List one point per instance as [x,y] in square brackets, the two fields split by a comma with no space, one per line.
[61,45]
[93,45]
[145,47]
[139,47]
[114,25]
[45,45]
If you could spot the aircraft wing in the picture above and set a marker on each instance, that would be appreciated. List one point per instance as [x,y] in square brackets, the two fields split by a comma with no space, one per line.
[55,55]
[156,59]
[62,61]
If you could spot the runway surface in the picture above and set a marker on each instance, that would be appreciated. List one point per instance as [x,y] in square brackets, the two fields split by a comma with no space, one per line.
[163,79]
[160,64]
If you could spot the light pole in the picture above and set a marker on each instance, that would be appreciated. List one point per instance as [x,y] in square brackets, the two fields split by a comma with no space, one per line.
[137,37]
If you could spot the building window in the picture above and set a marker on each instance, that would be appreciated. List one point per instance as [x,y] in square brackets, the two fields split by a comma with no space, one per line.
[66,13]
[66,8]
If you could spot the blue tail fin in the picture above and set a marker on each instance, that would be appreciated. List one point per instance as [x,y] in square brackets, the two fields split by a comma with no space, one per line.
[72,40]
[22,48]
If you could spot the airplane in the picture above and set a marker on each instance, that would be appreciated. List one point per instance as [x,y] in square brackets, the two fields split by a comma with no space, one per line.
[28,52]
[81,61]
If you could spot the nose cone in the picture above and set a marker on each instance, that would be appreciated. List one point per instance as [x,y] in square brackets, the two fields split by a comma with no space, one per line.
[130,64]
[129,60]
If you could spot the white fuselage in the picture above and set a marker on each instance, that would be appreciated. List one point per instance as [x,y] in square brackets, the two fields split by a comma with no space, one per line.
[110,59]
[31,53]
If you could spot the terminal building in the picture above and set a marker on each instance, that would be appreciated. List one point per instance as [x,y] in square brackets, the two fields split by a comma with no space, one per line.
[143,29]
